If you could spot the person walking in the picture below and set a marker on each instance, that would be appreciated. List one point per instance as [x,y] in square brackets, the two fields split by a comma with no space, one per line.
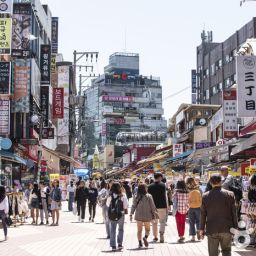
[159,194]
[180,202]
[35,202]
[194,202]
[218,216]
[92,197]
[71,195]
[117,204]
[226,179]
[145,212]
[81,199]
[55,203]
[128,189]
[44,192]
[4,209]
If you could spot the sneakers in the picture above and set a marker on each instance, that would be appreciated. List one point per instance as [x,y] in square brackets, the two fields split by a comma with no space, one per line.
[79,218]
[82,220]
[161,238]
[120,247]
[113,248]
[181,240]
[140,244]
[145,241]
[198,235]
[155,239]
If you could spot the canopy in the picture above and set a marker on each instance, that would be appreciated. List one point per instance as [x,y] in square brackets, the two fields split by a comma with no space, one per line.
[12,157]
[172,159]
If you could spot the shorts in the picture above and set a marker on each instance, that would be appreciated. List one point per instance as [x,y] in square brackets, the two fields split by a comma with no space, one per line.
[35,203]
[55,205]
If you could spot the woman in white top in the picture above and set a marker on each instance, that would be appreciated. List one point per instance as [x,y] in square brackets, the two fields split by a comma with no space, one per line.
[71,195]
[4,209]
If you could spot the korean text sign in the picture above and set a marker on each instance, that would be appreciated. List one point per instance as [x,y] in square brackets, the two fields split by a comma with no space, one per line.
[58,103]
[5,35]
[45,64]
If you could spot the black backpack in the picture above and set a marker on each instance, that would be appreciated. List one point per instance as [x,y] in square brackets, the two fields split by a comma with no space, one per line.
[116,209]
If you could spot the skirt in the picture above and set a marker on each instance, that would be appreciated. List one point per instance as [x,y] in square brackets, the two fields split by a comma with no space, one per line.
[55,205]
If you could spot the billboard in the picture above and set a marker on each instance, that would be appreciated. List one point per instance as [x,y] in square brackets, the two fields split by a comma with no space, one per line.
[4,117]
[45,64]
[55,37]
[21,82]
[44,99]
[5,35]
[5,68]
[58,103]
[21,30]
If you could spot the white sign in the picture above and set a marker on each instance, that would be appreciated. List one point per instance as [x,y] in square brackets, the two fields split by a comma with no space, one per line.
[217,119]
[177,149]
[5,6]
[108,109]
[246,86]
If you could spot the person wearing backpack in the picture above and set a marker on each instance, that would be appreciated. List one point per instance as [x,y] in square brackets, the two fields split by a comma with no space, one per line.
[117,204]
[145,212]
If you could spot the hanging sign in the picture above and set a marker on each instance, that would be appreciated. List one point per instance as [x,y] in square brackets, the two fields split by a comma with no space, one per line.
[45,104]
[58,103]
[4,77]
[45,64]
[5,35]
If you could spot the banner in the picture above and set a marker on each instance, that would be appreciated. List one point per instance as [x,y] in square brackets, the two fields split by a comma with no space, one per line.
[246,86]
[5,77]
[44,99]
[230,126]
[177,149]
[6,6]
[45,64]
[5,35]
[21,82]
[35,81]
[21,30]
[55,37]
[58,103]
[193,86]
[63,124]
[4,117]
[53,64]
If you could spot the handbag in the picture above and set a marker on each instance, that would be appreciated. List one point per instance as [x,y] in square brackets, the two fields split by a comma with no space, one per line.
[8,221]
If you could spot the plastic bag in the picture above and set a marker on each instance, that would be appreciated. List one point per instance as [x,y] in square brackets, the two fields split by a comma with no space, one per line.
[74,208]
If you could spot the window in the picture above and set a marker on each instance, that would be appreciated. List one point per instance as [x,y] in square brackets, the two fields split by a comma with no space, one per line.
[213,70]
[227,82]
[207,94]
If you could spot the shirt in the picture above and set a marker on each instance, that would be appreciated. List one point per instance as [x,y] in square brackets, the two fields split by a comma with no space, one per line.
[195,199]
[159,194]
[4,205]
[182,202]
[227,182]
[70,189]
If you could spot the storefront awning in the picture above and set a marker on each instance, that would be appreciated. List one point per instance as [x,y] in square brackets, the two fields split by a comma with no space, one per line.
[245,144]
[248,129]
[172,159]
[12,157]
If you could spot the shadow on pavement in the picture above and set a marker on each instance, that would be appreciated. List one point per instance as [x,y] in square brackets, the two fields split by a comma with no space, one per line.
[140,249]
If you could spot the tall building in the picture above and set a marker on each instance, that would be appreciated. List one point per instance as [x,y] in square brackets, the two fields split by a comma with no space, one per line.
[216,66]
[125,104]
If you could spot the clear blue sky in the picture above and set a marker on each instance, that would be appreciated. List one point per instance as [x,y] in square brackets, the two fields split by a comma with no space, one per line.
[164,32]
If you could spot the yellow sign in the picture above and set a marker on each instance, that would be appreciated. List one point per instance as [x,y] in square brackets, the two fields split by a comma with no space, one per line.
[247,170]
[5,35]
[54,176]
[235,174]
[250,170]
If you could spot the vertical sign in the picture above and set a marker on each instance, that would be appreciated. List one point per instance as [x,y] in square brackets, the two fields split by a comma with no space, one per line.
[193,86]
[63,124]
[58,103]
[55,28]
[21,81]
[6,6]
[45,64]
[246,86]
[45,104]
[4,77]
[177,149]
[230,114]
[21,30]
[4,117]
[5,35]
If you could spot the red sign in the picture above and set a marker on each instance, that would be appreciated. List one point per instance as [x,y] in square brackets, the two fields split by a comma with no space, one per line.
[117,98]
[58,103]
[250,128]
[33,152]
[243,167]
[253,162]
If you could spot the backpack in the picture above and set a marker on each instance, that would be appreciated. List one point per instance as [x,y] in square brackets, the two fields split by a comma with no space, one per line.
[116,209]
[236,188]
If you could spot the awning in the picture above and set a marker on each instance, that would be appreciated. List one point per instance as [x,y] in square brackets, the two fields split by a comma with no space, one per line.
[12,157]
[172,159]
[248,129]
[154,158]
[245,144]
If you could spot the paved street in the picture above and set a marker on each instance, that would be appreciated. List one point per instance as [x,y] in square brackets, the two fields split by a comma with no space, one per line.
[72,238]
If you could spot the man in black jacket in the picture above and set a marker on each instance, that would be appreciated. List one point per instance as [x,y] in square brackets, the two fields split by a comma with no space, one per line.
[158,192]
[81,197]
[218,215]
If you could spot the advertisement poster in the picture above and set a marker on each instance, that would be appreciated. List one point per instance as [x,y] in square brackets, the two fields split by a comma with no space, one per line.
[21,30]
[20,102]
[4,117]
[58,103]
[55,31]
[177,149]
[5,35]
[45,64]
[45,104]
[5,77]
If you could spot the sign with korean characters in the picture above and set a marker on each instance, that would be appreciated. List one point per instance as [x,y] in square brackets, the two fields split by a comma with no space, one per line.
[44,99]
[4,117]
[58,103]
[246,86]
[230,126]
[177,149]
[55,37]
[4,77]
[45,64]
[5,35]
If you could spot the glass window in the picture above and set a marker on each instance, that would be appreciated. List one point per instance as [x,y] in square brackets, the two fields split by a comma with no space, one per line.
[213,69]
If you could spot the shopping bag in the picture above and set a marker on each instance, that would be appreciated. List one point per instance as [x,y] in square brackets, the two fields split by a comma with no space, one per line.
[74,208]
[9,221]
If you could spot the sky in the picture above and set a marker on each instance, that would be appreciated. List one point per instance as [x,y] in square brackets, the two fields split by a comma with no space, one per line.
[164,32]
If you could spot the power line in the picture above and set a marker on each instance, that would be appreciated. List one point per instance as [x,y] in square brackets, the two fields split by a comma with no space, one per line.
[177,93]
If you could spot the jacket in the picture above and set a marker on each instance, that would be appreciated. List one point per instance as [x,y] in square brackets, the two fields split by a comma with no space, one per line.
[81,194]
[158,192]
[144,208]
[194,199]
[218,211]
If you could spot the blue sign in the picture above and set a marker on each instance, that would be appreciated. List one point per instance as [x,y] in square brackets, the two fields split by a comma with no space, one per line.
[82,172]
[5,143]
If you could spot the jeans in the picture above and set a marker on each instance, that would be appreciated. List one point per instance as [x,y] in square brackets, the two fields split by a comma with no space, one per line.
[219,239]
[194,220]
[106,219]
[180,222]
[70,201]
[3,217]
[140,228]
[44,211]
[113,225]
[162,219]
[92,209]
[81,209]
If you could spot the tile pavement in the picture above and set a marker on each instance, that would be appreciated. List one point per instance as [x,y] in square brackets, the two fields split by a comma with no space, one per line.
[75,239]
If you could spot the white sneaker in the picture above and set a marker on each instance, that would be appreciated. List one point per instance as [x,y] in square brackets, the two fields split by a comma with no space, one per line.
[82,220]
[79,218]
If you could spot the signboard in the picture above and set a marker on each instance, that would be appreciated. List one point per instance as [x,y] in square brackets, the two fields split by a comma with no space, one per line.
[21,30]
[5,77]
[5,35]
[117,98]
[193,86]
[55,37]
[246,86]
[217,119]
[53,64]
[48,133]
[6,6]
[45,64]
[44,99]
[58,103]
[33,152]
[230,114]
[201,145]
[108,109]
[54,176]
[21,81]
[253,162]
[4,117]
[177,149]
